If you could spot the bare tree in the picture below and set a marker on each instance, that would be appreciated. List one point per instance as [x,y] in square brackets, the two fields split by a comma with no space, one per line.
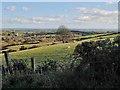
[63,34]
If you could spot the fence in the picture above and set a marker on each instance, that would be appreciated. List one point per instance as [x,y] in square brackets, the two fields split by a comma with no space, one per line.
[8,69]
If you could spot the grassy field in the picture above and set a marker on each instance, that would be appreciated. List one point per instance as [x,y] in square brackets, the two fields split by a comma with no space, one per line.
[89,36]
[17,47]
[55,52]
[52,52]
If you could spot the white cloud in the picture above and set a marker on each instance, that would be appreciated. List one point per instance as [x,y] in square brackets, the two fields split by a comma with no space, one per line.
[45,19]
[110,2]
[24,8]
[37,18]
[95,11]
[33,20]
[53,19]
[20,20]
[11,8]
[81,10]
[96,15]
[84,19]
[101,12]
[37,22]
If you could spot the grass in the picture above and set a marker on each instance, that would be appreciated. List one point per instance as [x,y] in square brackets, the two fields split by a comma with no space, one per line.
[89,36]
[55,52]
[17,47]
[96,35]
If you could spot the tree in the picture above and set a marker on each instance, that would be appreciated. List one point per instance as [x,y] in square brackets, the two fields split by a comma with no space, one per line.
[63,34]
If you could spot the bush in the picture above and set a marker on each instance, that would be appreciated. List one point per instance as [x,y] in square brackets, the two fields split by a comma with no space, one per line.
[34,46]
[10,50]
[22,48]
[53,43]
[99,64]
[19,65]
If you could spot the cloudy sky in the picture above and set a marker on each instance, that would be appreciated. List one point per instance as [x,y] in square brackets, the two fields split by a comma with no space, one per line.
[50,15]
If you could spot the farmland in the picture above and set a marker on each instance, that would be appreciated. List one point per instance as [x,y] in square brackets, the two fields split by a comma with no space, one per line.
[59,58]
[45,51]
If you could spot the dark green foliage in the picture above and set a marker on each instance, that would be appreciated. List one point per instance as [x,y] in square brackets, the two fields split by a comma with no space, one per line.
[19,65]
[48,66]
[99,63]
[23,48]
[34,46]
[10,50]
[83,33]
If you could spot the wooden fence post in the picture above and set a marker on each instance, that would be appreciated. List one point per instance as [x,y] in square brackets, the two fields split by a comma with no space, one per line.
[33,64]
[3,70]
[7,62]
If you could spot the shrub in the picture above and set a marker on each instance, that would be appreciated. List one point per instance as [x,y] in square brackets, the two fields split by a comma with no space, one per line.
[22,48]
[19,65]
[34,46]
[53,43]
[10,50]
[99,64]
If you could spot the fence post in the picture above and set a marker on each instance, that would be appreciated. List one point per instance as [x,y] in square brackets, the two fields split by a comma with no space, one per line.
[7,61]
[3,70]
[33,64]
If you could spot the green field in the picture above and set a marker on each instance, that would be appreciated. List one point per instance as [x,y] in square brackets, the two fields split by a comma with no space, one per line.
[55,52]
[17,47]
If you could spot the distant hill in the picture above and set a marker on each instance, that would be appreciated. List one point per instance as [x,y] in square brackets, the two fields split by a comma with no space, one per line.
[54,29]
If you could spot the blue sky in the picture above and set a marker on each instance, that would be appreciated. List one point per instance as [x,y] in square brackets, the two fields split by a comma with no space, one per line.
[52,14]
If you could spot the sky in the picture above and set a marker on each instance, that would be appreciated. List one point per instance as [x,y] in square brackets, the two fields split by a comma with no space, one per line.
[79,15]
